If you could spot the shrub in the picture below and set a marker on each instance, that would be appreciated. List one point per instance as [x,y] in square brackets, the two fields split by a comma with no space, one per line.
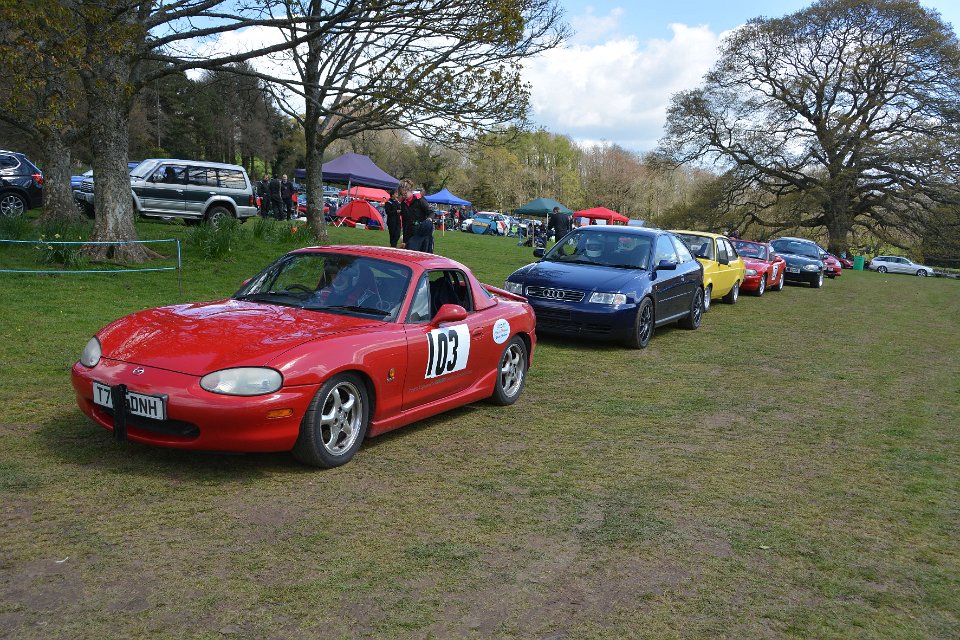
[214,242]
[15,227]
[69,255]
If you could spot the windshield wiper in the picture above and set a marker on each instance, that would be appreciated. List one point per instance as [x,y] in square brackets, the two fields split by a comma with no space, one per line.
[351,308]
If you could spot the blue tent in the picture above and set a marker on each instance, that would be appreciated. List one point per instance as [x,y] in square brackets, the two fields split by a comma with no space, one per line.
[445,197]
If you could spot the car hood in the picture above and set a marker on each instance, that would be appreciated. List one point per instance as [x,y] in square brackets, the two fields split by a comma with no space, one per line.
[199,338]
[755,263]
[795,260]
[581,277]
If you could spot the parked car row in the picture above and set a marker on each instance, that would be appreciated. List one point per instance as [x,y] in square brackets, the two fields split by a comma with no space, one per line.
[621,283]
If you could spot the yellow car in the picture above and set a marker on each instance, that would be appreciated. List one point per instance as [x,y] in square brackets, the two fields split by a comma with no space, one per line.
[723,268]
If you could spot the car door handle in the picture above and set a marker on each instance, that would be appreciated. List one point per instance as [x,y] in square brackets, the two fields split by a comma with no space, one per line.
[477,333]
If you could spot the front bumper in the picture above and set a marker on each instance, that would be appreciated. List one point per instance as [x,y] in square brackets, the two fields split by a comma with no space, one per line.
[596,321]
[808,277]
[196,418]
[751,283]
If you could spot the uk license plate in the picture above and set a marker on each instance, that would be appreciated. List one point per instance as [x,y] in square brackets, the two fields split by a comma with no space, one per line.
[138,404]
[793,270]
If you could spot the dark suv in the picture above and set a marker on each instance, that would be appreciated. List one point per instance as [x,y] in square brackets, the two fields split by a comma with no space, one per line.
[21,184]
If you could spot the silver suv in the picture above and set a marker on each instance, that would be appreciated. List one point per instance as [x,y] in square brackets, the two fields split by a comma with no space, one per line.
[190,189]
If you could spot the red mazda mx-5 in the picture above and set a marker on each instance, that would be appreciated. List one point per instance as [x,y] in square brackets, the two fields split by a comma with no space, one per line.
[325,346]
[764,267]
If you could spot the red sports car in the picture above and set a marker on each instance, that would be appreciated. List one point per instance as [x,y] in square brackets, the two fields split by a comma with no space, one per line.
[831,266]
[765,269]
[324,347]
[846,263]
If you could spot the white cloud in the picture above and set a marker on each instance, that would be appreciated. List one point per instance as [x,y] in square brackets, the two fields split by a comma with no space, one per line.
[618,90]
[589,28]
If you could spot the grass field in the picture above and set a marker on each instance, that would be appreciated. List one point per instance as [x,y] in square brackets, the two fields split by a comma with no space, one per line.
[789,470]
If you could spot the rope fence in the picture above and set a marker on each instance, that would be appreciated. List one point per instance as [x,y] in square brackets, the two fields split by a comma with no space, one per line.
[175,241]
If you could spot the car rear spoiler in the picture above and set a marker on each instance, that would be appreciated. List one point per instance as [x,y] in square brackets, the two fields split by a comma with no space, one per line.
[502,293]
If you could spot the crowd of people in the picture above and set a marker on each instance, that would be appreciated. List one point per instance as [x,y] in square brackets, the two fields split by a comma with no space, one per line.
[278,197]
[410,220]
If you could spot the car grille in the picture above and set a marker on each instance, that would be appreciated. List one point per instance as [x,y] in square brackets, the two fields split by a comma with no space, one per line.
[562,295]
[86,187]
[561,321]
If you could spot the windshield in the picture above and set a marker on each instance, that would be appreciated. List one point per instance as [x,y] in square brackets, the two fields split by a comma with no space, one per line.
[623,250]
[797,248]
[750,249]
[483,216]
[334,283]
[699,246]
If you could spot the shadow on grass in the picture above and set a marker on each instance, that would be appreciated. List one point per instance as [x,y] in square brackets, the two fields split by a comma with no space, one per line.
[71,439]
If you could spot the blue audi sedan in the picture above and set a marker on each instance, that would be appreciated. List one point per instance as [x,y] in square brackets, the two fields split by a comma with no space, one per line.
[613,283]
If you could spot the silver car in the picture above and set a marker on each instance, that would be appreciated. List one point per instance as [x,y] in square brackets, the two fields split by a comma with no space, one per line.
[896,264]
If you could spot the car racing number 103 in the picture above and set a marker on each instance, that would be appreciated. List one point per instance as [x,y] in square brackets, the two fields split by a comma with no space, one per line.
[449,350]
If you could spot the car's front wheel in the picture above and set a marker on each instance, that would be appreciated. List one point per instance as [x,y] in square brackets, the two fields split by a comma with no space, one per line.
[12,204]
[707,298]
[511,372]
[733,294]
[642,326]
[816,284]
[881,269]
[692,321]
[335,423]
[922,273]
[762,287]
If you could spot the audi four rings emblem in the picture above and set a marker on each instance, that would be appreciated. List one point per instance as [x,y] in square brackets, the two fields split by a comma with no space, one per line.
[556,294]
[138,371]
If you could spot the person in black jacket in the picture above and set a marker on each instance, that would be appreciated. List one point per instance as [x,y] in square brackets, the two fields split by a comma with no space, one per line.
[276,198]
[559,223]
[263,190]
[392,208]
[417,219]
[286,194]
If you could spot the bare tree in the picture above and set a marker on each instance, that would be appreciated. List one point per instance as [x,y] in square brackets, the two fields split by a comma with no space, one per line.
[852,103]
[441,69]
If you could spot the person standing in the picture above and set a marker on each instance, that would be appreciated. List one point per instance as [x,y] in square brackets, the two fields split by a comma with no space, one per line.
[276,198]
[286,194]
[417,219]
[559,223]
[392,208]
[263,190]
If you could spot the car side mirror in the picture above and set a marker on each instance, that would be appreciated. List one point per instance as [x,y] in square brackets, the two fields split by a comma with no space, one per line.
[538,253]
[666,265]
[449,313]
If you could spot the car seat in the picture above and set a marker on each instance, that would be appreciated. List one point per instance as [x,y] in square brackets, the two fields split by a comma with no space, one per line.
[441,293]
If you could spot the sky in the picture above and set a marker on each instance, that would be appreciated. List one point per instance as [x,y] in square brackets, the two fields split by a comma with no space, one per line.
[612,81]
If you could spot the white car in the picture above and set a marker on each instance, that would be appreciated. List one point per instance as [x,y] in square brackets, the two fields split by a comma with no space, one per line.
[896,264]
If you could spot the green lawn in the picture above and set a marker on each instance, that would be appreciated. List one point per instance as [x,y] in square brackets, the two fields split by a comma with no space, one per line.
[789,470]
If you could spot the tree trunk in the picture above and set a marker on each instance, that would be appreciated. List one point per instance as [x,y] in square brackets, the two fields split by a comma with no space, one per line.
[315,146]
[58,205]
[109,135]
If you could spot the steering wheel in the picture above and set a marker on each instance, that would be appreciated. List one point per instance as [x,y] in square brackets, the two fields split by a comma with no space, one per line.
[298,287]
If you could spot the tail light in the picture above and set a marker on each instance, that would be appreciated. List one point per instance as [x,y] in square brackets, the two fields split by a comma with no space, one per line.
[253,200]
[38,178]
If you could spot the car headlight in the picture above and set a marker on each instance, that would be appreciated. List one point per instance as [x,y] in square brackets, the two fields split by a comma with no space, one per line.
[811,267]
[243,381]
[751,272]
[91,353]
[513,287]
[608,298]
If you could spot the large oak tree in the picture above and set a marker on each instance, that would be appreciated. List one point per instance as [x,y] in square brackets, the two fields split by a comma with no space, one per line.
[851,104]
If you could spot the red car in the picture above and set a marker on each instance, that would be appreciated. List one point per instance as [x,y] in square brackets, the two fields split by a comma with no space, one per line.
[324,347]
[846,263]
[831,266]
[765,269]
